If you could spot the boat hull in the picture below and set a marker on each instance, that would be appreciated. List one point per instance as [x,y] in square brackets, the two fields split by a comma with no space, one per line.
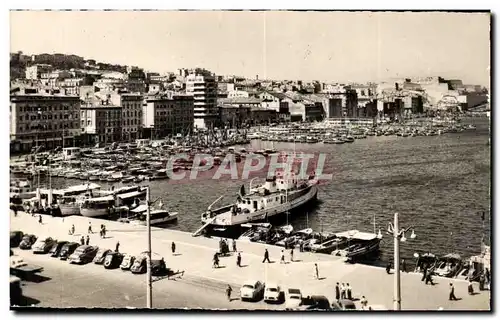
[86,212]
[69,210]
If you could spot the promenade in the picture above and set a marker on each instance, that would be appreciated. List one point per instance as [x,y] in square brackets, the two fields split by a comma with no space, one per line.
[194,257]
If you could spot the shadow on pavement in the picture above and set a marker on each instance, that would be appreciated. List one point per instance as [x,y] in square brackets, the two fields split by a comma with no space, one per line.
[24,302]
[37,278]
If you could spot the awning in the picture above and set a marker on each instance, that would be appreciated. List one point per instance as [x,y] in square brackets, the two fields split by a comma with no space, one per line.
[107,198]
[140,209]
[130,194]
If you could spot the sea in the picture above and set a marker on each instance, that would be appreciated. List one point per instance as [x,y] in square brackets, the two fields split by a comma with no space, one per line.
[440,185]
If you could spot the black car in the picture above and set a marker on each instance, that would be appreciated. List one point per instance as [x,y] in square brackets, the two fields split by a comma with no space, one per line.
[83,254]
[15,238]
[101,255]
[67,250]
[27,242]
[316,303]
[43,245]
[56,248]
[113,260]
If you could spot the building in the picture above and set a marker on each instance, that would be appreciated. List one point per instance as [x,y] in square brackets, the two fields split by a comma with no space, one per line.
[262,116]
[101,122]
[302,109]
[276,101]
[131,106]
[167,114]
[234,116]
[342,101]
[43,117]
[202,86]
[35,72]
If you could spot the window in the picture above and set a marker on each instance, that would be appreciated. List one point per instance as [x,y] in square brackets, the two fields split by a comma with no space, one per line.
[20,118]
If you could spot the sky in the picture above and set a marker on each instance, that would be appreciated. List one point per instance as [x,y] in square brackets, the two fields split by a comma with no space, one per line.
[324,46]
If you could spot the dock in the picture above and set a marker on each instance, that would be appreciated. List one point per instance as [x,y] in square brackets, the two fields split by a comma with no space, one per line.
[194,258]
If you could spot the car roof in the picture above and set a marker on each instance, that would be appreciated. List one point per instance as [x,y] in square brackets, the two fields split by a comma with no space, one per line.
[252,282]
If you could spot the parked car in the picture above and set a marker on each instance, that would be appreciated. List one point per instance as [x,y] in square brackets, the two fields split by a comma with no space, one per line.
[56,248]
[83,254]
[113,260]
[27,242]
[315,303]
[252,290]
[16,291]
[158,266]
[293,299]
[101,255]
[67,250]
[15,238]
[343,304]
[272,293]
[43,245]
[128,261]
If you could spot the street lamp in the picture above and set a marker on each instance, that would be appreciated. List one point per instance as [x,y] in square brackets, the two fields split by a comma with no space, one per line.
[399,235]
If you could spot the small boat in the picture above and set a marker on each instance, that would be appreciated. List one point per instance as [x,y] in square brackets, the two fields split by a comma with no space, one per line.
[328,246]
[358,244]
[448,265]
[159,216]
[348,139]
[288,229]
[128,179]
[253,230]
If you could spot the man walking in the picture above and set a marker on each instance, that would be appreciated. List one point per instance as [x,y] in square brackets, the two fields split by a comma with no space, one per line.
[282,260]
[266,257]
[90,228]
[349,291]
[452,292]
[234,246]
[173,247]
[40,219]
[72,229]
[82,240]
[342,291]
[337,292]
[403,265]
[228,292]
[216,261]
[291,255]
[117,246]
[238,260]
[87,241]
[316,270]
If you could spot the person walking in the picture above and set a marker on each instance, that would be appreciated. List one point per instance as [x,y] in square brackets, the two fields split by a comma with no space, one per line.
[117,246]
[72,229]
[291,255]
[40,219]
[428,278]
[364,303]
[266,257]
[342,291]
[487,278]
[216,260]
[234,246]
[90,228]
[316,270]
[238,260]
[403,265]
[388,268]
[349,291]
[337,292]
[104,231]
[470,288]
[228,292]
[173,247]
[282,260]
[452,292]
[15,211]
[87,240]
[82,240]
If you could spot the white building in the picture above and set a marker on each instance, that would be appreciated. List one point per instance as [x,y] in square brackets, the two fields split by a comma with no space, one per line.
[202,86]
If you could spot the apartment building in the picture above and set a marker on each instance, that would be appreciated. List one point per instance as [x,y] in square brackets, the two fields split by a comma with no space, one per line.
[131,107]
[202,86]
[101,122]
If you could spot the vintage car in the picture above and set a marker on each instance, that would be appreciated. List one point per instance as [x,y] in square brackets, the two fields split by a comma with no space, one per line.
[83,254]
[158,266]
[272,293]
[113,260]
[101,255]
[15,238]
[56,248]
[67,250]
[293,298]
[343,304]
[43,245]
[252,290]
[128,262]
[27,242]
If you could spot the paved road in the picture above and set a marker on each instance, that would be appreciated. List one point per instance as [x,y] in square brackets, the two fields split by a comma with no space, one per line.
[64,285]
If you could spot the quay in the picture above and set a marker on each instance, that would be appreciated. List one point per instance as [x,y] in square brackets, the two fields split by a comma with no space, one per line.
[194,258]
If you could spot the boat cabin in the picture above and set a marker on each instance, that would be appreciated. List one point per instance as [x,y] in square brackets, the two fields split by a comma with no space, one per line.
[72,153]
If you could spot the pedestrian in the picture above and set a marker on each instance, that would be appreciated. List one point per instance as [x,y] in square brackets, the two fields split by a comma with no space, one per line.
[342,291]
[424,273]
[487,277]
[238,260]
[282,260]
[470,288]
[40,219]
[87,241]
[403,265]
[90,227]
[72,229]
[452,292]
[266,257]
[388,268]
[173,247]
[15,211]
[291,255]
[104,231]
[234,246]
[117,246]
[82,240]
[349,291]
[364,302]
[301,246]
[337,292]
[228,292]
[482,279]
[316,270]
[428,278]
[216,260]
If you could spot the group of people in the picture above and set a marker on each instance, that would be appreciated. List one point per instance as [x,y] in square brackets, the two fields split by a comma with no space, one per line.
[343,291]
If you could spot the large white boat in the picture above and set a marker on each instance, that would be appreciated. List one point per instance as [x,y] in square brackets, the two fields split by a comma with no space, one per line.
[70,199]
[158,216]
[275,197]
[97,207]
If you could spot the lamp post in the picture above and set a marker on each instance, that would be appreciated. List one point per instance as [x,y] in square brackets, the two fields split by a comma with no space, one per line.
[399,235]
[149,279]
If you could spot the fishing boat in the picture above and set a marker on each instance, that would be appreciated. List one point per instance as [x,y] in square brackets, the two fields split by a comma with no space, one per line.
[157,216]
[358,244]
[327,246]
[254,230]
[271,199]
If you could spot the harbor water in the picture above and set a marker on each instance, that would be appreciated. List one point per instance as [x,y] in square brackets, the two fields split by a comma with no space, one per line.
[438,184]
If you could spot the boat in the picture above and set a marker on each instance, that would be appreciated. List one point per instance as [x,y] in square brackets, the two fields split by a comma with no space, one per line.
[449,265]
[273,198]
[348,139]
[327,246]
[70,199]
[358,244]
[159,216]
[128,179]
[425,260]
[97,207]
[255,230]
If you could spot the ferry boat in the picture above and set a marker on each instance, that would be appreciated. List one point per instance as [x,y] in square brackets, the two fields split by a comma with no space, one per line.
[70,199]
[275,197]
[97,207]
